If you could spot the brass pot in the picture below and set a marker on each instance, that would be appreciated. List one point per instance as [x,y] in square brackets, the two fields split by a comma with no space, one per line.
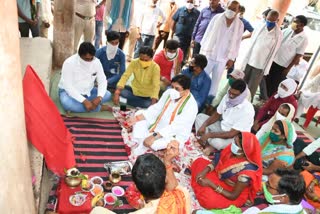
[72,181]
[115,177]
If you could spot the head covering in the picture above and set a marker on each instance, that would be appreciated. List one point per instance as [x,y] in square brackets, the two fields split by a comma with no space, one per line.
[268,125]
[291,86]
[252,151]
[237,100]
[237,74]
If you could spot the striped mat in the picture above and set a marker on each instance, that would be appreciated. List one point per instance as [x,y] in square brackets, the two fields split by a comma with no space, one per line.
[96,141]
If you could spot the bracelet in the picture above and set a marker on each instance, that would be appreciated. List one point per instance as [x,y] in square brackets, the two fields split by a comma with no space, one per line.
[219,189]
[315,198]
[211,167]
[169,166]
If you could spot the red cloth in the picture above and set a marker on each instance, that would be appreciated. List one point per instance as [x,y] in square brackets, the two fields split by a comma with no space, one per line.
[164,64]
[271,106]
[45,127]
[64,206]
[208,197]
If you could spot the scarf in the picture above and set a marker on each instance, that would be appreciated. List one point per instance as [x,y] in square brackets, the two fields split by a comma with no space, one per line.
[178,109]
[291,86]
[210,39]
[111,51]
[172,202]
[115,10]
[272,53]
[237,100]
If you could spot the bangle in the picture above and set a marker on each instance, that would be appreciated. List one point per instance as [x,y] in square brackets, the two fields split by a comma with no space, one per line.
[169,166]
[211,167]
[219,189]
[315,198]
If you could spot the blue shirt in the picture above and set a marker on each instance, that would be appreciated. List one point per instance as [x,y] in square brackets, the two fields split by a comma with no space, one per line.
[113,68]
[202,23]
[247,26]
[185,22]
[200,86]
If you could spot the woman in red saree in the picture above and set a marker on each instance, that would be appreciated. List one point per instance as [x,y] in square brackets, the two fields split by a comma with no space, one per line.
[232,178]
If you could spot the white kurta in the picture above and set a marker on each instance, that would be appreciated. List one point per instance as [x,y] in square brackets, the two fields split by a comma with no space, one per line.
[78,79]
[180,128]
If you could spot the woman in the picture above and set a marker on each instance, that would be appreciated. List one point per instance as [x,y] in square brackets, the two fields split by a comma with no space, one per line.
[285,94]
[285,111]
[277,147]
[232,178]
[312,194]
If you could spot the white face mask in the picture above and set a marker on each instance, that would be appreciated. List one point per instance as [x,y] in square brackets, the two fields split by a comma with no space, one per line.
[280,116]
[174,94]
[189,6]
[282,93]
[111,50]
[235,149]
[171,56]
[229,14]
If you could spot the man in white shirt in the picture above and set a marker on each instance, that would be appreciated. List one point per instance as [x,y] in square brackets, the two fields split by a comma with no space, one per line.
[84,21]
[147,24]
[221,43]
[170,118]
[46,17]
[78,75]
[264,44]
[284,190]
[234,115]
[118,17]
[293,45]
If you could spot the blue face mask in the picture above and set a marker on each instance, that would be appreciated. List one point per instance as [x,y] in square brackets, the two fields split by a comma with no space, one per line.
[270,24]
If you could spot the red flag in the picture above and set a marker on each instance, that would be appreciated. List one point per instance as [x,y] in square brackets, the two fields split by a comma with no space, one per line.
[45,127]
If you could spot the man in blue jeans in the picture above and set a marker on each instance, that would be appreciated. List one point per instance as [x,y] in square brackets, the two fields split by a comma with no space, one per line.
[112,59]
[79,72]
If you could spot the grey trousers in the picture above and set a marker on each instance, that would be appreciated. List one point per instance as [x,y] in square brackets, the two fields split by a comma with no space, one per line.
[253,77]
[217,143]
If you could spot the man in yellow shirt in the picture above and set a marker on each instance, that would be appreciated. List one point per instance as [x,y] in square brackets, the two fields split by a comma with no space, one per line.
[145,86]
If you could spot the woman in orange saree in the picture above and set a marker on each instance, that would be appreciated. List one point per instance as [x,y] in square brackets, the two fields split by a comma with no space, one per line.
[232,178]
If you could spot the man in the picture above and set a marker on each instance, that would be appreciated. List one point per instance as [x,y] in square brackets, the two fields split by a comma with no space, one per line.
[202,23]
[234,115]
[183,23]
[236,74]
[28,17]
[169,60]
[112,59]
[284,190]
[164,29]
[145,86]
[292,48]
[84,21]
[46,17]
[200,80]
[156,182]
[118,17]
[147,24]
[247,26]
[221,48]
[264,44]
[171,118]
[78,75]
[99,23]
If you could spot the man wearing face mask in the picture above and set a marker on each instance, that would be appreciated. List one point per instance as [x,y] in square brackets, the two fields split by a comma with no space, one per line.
[221,43]
[148,22]
[183,23]
[112,59]
[234,115]
[169,59]
[145,86]
[292,48]
[264,44]
[284,190]
[170,118]
[202,23]
[76,87]
[200,80]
